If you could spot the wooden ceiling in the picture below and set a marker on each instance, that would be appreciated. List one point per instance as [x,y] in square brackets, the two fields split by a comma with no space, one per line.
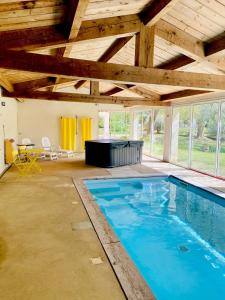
[131,52]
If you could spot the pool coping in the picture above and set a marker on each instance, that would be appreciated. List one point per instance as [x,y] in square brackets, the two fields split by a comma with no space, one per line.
[132,282]
[128,275]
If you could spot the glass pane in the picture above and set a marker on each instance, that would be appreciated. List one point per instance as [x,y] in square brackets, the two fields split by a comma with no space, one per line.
[143,126]
[146,121]
[158,133]
[120,123]
[204,134]
[180,135]
[222,143]
[102,124]
[139,128]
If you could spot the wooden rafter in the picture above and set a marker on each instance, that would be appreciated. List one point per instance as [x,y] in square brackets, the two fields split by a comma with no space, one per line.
[156,10]
[34,84]
[70,68]
[183,94]
[116,46]
[176,63]
[4,82]
[111,92]
[211,48]
[43,83]
[73,19]
[143,92]
[71,97]
[51,37]
[184,42]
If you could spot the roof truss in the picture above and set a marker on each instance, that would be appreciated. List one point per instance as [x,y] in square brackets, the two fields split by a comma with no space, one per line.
[98,71]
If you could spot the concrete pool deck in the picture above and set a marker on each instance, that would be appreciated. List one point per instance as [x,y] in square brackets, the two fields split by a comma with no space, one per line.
[48,247]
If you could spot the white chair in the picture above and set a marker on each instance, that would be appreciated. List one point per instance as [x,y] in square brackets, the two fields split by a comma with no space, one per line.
[46,144]
[66,153]
[27,141]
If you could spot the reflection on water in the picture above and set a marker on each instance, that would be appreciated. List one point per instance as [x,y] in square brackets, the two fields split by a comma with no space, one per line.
[174,232]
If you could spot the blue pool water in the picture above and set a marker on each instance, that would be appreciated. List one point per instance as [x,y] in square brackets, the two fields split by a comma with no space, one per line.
[174,233]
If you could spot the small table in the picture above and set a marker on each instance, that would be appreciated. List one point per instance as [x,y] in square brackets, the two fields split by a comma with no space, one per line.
[31,156]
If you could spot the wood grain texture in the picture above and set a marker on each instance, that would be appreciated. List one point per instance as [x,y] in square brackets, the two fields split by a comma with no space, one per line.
[156,10]
[70,68]
[82,98]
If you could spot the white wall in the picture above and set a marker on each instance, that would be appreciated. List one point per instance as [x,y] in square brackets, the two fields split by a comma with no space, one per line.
[8,125]
[41,118]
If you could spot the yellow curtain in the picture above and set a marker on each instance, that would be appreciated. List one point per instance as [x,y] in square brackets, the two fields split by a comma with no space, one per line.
[68,133]
[86,130]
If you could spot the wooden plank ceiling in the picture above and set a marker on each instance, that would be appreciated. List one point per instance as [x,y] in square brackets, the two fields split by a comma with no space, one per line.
[135,52]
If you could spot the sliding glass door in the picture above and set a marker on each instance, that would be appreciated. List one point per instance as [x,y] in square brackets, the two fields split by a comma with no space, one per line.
[119,125]
[204,137]
[158,133]
[221,158]
[143,129]
[149,127]
[181,135]
[198,137]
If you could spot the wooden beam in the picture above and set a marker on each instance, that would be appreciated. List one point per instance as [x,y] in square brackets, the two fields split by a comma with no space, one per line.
[111,92]
[144,47]
[42,82]
[51,37]
[74,15]
[116,46]
[115,26]
[156,10]
[33,38]
[34,84]
[70,68]
[176,63]
[5,83]
[181,40]
[94,88]
[211,48]
[182,94]
[215,47]
[70,97]
[79,84]
[73,18]
[143,92]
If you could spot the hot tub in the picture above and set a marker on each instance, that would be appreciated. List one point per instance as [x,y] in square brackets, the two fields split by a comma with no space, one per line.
[109,153]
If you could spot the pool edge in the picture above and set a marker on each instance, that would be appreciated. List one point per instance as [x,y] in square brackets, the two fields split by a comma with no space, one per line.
[132,282]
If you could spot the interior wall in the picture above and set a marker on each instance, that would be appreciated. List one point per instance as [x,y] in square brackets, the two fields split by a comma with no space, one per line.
[8,125]
[41,118]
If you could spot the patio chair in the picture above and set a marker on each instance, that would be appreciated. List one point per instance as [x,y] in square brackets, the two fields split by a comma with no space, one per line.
[48,152]
[28,145]
[27,141]
[66,153]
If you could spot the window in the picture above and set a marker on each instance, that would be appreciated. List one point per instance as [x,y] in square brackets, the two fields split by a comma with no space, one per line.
[221,167]
[181,133]
[114,125]
[149,127]
[143,129]
[119,125]
[198,137]
[204,137]
[158,133]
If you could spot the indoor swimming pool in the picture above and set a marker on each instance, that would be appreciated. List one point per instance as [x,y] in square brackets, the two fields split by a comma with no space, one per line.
[173,231]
